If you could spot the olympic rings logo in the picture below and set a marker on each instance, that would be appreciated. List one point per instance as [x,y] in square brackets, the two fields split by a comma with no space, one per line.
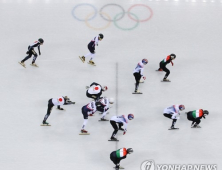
[110,19]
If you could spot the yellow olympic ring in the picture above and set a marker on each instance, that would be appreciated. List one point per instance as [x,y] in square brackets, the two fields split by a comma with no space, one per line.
[102,28]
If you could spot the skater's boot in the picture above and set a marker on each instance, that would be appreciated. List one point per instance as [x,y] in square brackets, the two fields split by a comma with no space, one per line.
[84,131]
[60,108]
[137,91]
[33,64]
[45,123]
[91,62]
[103,119]
[117,167]
[22,63]
[196,126]
[113,138]
[83,59]
[165,79]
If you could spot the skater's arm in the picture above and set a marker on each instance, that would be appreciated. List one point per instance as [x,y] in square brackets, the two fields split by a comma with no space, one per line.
[39,50]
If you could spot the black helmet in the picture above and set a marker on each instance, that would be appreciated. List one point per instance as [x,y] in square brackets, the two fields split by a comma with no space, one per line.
[101,36]
[41,40]
[173,56]
[129,150]
[205,112]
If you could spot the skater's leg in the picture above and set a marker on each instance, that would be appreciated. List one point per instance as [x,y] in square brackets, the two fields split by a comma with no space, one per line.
[113,123]
[174,122]
[137,78]
[167,115]
[27,57]
[167,72]
[85,116]
[50,106]
[35,57]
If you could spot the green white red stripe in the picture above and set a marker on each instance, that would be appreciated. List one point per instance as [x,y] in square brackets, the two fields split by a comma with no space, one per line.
[197,113]
[121,153]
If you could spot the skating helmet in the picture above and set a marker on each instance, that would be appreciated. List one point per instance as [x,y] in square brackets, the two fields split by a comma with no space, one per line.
[130,116]
[173,56]
[97,88]
[181,107]
[41,40]
[101,36]
[111,100]
[60,99]
[129,150]
[205,112]
[144,61]
[105,88]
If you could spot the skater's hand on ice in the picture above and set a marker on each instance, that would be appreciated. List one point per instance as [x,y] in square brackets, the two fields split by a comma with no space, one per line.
[124,132]
[39,53]
[27,52]
[172,63]
[144,78]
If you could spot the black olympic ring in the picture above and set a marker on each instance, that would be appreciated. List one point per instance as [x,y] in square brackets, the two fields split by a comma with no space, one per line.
[123,12]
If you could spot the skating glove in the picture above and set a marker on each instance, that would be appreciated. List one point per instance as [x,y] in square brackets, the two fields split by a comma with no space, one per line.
[27,52]
[124,132]
[39,53]
[144,77]
[172,63]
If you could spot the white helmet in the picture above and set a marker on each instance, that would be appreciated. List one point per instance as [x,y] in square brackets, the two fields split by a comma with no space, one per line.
[111,100]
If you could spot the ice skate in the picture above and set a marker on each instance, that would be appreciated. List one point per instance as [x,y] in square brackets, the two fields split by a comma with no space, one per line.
[113,139]
[159,69]
[165,80]
[195,126]
[35,65]
[23,64]
[137,92]
[173,128]
[141,81]
[84,132]
[82,58]
[60,108]
[103,119]
[91,62]
[44,123]
[121,129]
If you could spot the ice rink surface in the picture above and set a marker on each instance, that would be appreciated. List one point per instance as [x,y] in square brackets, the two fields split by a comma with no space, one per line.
[190,29]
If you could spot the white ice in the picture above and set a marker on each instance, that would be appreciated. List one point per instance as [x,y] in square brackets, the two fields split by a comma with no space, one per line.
[190,29]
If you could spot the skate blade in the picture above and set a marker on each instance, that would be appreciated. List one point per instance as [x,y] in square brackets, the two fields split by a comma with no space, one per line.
[91,64]
[165,81]
[119,167]
[84,134]
[34,66]
[45,125]
[61,110]
[137,93]
[174,129]
[103,120]
[196,127]
[114,140]
[81,59]
[21,64]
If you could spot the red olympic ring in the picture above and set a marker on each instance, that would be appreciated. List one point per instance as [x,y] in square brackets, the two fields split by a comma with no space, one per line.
[151,12]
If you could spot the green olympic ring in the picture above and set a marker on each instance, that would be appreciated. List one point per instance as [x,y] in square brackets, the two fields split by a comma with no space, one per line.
[126,29]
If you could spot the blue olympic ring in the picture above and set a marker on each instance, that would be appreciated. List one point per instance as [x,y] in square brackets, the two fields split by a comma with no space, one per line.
[73,12]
